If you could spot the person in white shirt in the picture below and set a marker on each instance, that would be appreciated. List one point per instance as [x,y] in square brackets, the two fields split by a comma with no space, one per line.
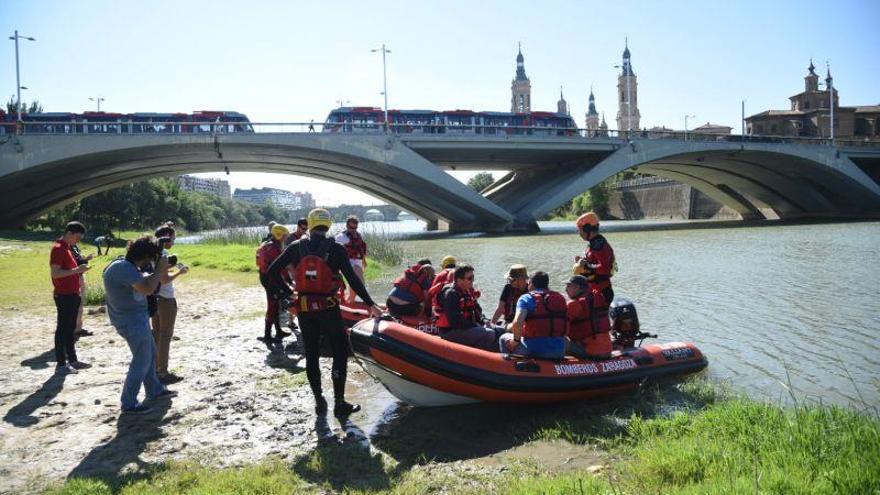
[356,248]
[166,313]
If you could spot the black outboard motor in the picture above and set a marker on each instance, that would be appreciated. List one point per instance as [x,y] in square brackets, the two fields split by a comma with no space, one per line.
[624,322]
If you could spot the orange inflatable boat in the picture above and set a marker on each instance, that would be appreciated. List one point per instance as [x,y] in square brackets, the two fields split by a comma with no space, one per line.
[422,369]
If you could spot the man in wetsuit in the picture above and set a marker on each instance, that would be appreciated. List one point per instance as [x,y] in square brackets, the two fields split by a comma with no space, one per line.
[318,261]
[598,261]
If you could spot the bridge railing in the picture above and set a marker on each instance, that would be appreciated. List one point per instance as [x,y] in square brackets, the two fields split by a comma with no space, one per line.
[415,128]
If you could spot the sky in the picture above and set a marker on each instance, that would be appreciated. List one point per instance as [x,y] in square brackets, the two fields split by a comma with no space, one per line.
[290,61]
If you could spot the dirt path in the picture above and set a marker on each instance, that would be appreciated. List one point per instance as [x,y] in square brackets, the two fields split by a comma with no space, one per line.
[238,404]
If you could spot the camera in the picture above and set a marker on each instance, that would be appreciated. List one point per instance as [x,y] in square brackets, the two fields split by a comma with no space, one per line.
[163,242]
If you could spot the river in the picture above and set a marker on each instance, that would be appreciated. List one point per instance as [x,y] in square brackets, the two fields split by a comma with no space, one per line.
[771,306]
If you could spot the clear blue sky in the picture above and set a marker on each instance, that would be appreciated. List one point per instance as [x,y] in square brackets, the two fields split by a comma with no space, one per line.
[291,61]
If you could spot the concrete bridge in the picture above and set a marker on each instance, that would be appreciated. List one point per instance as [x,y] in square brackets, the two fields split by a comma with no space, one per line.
[759,180]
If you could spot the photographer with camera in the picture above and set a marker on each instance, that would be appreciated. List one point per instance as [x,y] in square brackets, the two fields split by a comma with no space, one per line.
[66,275]
[166,305]
[126,288]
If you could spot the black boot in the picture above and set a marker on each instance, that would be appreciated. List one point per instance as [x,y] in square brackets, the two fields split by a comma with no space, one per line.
[343,409]
[320,405]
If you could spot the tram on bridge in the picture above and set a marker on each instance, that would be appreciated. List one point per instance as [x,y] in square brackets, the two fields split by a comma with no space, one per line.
[372,119]
[205,121]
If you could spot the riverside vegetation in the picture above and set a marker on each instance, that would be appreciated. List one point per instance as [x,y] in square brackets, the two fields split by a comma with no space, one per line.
[688,438]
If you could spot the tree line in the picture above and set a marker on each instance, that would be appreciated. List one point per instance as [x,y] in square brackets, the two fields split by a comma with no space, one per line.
[145,204]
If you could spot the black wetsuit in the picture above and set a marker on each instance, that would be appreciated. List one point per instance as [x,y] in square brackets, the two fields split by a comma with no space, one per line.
[327,322]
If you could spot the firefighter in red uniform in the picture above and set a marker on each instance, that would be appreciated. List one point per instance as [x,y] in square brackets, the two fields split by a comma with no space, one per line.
[319,262]
[356,247]
[517,285]
[589,330]
[540,324]
[598,261]
[445,276]
[267,253]
[302,229]
[410,291]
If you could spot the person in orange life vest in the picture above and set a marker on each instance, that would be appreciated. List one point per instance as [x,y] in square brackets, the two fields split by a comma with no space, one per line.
[540,325]
[410,291]
[318,262]
[589,330]
[458,315]
[266,254]
[446,275]
[598,258]
[302,229]
[356,248]
[517,285]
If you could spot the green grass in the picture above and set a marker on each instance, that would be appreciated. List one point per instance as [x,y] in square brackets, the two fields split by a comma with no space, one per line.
[696,440]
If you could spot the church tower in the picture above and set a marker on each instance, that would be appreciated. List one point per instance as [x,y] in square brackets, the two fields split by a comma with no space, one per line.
[627,89]
[520,88]
[561,105]
[811,81]
[592,116]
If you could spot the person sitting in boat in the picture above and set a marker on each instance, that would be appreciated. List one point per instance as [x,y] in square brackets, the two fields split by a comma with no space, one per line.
[445,276]
[589,331]
[410,291]
[517,285]
[540,324]
[459,317]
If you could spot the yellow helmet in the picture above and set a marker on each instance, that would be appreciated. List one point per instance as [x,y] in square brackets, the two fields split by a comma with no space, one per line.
[279,231]
[447,261]
[319,217]
[579,269]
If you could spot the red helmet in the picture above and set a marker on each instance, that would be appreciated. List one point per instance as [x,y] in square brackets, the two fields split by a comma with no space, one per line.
[588,218]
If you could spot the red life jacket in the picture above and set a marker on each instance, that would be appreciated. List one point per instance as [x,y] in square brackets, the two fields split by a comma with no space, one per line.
[467,303]
[415,281]
[582,328]
[266,254]
[356,247]
[510,303]
[446,276]
[317,284]
[600,254]
[549,318]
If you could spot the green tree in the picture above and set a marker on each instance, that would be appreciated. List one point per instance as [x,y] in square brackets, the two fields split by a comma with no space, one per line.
[34,107]
[481,181]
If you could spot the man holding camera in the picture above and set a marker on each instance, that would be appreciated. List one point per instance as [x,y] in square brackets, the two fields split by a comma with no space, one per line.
[66,275]
[166,306]
[126,288]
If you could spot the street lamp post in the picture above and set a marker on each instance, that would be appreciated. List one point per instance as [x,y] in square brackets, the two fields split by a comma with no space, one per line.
[98,100]
[686,117]
[831,98]
[384,80]
[340,102]
[18,86]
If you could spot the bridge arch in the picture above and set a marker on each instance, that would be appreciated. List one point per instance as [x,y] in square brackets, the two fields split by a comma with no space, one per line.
[795,181]
[40,172]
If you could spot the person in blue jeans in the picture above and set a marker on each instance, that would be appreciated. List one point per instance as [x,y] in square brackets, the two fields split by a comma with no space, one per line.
[540,323]
[126,288]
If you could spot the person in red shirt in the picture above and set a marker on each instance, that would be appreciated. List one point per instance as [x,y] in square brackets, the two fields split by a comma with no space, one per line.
[598,260]
[589,330]
[66,280]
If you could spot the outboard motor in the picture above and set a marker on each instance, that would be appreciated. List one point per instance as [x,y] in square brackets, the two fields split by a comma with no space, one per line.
[624,322]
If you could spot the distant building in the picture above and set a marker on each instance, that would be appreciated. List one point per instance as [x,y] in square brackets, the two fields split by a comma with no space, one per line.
[810,114]
[707,128]
[217,187]
[592,121]
[520,88]
[627,87]
[285,200]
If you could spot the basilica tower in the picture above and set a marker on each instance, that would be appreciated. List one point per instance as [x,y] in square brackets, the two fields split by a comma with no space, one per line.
[592,115]
[627,89]
[520,88]
[561,105]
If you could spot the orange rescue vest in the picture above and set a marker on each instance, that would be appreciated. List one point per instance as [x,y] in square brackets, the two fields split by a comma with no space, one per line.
[317,284]
[415,281]
[356,247]
[266,254]
[467,303]
[549,317]
[579,329]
